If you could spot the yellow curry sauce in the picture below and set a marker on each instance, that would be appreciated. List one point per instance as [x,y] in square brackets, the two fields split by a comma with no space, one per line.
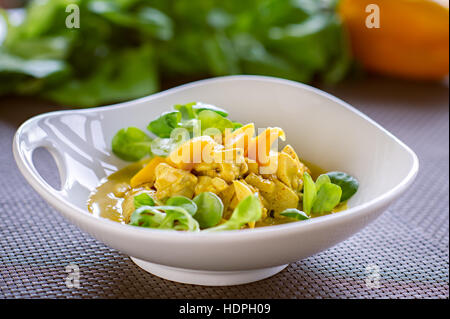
[106,200]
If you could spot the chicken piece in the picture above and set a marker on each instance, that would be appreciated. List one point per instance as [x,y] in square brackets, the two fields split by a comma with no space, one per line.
[226,196]
[196,150]
[210,184]
[227,164]
[226,171]
[243,190]
[260,183]
[253,166]
[172,181]
[288,171]
[281,198]
[128,203]
[289,150]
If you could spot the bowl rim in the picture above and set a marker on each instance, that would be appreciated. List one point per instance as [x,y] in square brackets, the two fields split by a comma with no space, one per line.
[73,212]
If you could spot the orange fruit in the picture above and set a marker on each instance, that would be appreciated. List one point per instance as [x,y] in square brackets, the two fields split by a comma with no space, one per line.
[412,40]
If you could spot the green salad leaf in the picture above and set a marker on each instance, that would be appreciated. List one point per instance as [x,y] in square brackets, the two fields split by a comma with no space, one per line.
[178,218]
[322,179]
[183,202]
[323,195]
[147,216]
[248,210]
[131,144]
[164,124]
[186,110]
[210,209]
[199,107]
[309,192]
[143,199]
[171,128]
[237,125]
[294,214]
[163,146]
[328,197]
[211,119]
[175,218]
[348,184]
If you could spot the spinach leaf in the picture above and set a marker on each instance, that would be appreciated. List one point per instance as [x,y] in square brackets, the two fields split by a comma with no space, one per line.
[143,199]
[309,193]
[131,144]
[183,202]
[348,184]
[328,196]
[294,213]
[210,209]
[164,124]
[248,210]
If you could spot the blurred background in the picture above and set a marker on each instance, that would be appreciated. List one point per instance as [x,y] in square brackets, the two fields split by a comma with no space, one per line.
[104,51]
[390,61]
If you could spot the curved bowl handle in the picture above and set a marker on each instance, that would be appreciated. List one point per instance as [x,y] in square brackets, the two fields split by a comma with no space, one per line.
[28,138]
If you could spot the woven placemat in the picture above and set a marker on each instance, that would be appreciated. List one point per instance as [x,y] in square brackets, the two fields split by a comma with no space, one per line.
[403,254]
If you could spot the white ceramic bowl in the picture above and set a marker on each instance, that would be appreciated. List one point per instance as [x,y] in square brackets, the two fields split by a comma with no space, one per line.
[323,129]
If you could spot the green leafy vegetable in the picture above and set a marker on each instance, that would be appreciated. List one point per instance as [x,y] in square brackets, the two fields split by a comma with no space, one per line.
[211,119]
[172,129]
[146,216]
[176,218]
[143,199]
[294,213]
[186,110]
[322,179]
[163,146]
[210,209]
[131,144]
[348,184]
[309,192]
[199,107]
[327,198]
[182,202]
[237,125]
[123,48]
[248,210]
[164,124]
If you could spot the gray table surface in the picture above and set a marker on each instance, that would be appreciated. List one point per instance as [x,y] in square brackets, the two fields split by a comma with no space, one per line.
[408,244]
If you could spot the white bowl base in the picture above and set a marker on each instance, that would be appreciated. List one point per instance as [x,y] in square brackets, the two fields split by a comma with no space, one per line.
[205,277]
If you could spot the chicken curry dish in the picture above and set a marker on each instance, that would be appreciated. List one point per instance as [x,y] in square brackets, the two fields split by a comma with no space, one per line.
[204,172]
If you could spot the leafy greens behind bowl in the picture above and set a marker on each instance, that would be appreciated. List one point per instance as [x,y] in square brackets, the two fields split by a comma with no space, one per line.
[123,48]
